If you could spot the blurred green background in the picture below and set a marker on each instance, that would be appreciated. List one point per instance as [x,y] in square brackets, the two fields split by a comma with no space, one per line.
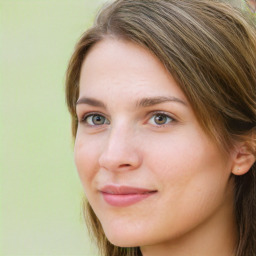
[40,190]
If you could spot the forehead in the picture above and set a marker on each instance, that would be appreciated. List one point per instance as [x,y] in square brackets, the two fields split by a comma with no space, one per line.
[120,67]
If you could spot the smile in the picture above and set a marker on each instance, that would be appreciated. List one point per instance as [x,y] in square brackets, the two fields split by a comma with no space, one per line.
[125,196]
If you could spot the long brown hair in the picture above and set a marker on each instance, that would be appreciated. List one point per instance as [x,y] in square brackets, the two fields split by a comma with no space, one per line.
[209,47]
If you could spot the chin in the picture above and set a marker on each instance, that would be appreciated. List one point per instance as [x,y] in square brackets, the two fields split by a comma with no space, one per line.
[124,239]
[123,243]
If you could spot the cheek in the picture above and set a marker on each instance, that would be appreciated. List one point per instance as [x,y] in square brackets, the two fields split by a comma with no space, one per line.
[86,155]
[188,165]
[193,178]
[170,155]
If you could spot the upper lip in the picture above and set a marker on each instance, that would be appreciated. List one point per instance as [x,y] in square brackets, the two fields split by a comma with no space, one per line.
[124,190]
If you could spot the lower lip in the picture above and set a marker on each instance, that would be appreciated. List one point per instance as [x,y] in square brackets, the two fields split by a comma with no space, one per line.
[125,200]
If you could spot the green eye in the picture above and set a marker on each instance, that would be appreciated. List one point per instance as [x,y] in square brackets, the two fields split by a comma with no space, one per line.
[160,119]
[95,120]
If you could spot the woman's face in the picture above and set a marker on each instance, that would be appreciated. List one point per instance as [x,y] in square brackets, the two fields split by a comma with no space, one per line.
[149,171]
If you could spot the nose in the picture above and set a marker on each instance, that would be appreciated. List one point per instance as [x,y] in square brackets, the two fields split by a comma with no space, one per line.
[121,152]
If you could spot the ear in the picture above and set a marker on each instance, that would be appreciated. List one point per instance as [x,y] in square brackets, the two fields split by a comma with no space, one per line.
[243,160]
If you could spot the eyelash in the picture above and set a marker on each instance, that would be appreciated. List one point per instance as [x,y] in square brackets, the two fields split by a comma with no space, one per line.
[152,115]
[91,114]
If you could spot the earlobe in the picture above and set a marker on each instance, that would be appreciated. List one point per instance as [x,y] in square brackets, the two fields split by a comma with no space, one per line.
[243,160]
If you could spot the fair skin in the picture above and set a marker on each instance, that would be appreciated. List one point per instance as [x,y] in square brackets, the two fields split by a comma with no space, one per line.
[156,145]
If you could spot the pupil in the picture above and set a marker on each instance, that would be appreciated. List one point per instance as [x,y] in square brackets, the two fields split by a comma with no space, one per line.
[98,120]
[160,119]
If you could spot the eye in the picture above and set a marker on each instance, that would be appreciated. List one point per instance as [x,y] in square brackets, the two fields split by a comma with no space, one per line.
[160,119]
[95,119]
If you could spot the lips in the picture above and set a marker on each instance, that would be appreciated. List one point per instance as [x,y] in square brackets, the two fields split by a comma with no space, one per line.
[121,196]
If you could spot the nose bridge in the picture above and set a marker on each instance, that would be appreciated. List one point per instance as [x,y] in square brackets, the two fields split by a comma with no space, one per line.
[120,151]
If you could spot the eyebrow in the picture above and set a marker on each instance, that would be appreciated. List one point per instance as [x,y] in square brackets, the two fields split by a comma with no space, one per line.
[145,102]
[91,101]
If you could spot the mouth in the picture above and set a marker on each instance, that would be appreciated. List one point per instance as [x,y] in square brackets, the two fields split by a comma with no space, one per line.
[122,196]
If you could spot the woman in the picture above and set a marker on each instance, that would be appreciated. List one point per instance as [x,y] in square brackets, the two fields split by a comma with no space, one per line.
[162,95]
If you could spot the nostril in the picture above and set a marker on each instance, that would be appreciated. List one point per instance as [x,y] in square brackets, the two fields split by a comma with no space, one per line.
[125,165]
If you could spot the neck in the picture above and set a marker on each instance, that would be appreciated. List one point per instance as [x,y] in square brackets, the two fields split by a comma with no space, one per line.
[216,236]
